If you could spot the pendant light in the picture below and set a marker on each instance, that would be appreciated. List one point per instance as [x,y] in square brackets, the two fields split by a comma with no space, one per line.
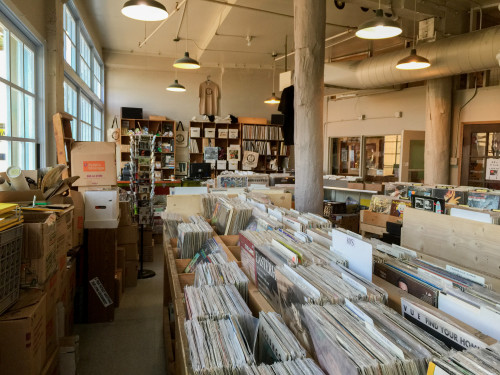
[186,62]
[273,99]
[176,86]
[379,27]
[414,61]
[145,10]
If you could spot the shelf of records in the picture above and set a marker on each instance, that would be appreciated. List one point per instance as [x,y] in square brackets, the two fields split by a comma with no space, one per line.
[351,305]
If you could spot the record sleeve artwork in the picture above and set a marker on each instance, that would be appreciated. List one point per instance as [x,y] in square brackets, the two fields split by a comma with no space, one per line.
[250,159]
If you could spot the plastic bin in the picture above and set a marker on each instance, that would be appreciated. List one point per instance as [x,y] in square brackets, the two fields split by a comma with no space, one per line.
[11,243]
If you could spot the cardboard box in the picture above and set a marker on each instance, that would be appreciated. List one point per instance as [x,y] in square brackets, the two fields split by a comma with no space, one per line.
[131,251]
[195,132]
[118,286]
[128,234]
[78,217]
[39,258]
[125,214]
[22,336]
[378,187]
[67,293]
[50,332]
[51,365]
[64,229]
[94,162]
[131,270]
[102,209]
[148,254]
[69,354]
[120,257]
[356,185]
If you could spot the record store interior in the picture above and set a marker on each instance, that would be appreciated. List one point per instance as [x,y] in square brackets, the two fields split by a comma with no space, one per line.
[249,187]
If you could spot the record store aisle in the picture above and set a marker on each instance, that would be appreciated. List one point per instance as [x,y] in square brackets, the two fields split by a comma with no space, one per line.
[133,343]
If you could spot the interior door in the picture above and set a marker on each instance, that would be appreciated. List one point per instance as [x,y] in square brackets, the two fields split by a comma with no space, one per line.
[412,156]
[481,155]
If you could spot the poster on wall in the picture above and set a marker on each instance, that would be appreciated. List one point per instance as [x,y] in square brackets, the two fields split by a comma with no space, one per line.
[493,169]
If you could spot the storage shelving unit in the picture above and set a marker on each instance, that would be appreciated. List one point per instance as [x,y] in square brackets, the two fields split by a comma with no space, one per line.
[267,140]
[164,145]
[222,142]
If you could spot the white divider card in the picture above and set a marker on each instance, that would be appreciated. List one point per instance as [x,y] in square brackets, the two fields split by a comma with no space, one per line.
[358,252]
[451,335]
[101,292]
[483,318]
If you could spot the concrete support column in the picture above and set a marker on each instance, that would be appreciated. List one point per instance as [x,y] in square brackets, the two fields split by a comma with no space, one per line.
[54,66]
[437,131]
[309,30]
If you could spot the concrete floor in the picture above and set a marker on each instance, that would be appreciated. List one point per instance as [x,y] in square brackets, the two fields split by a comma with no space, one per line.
[133,343]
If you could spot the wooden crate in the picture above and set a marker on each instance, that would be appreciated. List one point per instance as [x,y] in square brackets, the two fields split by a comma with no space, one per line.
[375,222]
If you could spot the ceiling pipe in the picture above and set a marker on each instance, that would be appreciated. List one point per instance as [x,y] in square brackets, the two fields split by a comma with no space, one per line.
[466,53]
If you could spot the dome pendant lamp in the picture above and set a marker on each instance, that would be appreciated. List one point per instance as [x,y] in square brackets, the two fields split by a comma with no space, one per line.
[379,27]
[186,62]
[176,87]
[145,10]
[414,61]
[273,99]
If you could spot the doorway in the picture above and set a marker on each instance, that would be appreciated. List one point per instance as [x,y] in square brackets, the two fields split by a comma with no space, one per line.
[481,155]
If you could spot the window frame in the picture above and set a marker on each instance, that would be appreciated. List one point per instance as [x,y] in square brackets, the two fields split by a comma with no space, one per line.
[15,26]
[74,77]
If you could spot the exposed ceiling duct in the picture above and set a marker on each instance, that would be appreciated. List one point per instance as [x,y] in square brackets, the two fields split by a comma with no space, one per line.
[475,51]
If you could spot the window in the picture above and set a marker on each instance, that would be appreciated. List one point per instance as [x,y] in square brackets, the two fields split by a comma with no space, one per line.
[83,84]
[18,97]
[69,38]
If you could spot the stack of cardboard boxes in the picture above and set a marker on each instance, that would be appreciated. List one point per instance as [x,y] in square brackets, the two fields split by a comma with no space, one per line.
[128,251]
[31,329]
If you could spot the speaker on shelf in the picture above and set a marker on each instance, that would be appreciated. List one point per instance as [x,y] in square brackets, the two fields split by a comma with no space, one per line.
[132,113]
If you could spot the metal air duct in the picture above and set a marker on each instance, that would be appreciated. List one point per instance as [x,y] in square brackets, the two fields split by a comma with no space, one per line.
[466,53]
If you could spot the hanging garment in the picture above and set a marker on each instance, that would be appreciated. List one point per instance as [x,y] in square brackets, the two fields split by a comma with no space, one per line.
[209,98]
[286,107]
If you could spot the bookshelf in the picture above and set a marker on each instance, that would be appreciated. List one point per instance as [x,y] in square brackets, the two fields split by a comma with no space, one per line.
[267,140]
[211,134]
[164,145]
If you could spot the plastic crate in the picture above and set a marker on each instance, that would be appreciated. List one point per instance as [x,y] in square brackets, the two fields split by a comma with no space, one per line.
[11,242]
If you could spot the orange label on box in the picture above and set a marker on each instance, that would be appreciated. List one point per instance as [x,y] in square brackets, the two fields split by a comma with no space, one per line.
[94,166]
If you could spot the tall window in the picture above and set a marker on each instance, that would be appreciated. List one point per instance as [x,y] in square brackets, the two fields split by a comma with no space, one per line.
[83,85]
[18,97]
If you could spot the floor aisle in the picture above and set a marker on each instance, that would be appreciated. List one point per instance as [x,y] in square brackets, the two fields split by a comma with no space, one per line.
[133,343]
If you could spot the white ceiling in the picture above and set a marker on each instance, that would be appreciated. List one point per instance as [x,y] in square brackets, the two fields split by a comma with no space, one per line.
[217,32]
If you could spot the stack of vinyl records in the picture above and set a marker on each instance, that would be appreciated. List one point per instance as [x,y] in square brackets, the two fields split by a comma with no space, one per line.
[191,236]
[299,366]
[210,252]
[220,274]
[473,361]
[170,223]
[208,201]
[231,216]
[261,221]
[348,340]
[214,302]
[276,342]
[218,346]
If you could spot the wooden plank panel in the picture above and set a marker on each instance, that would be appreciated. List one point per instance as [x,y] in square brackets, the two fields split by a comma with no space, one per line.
[230,239]
[465,242]
[167,338]
[185,205]
[371,229]
[377,219]
[236,250]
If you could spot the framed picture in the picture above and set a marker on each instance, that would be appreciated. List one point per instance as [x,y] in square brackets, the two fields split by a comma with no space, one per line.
[211,153]
[181,168]
[234,153]
[233,133]
[222,133]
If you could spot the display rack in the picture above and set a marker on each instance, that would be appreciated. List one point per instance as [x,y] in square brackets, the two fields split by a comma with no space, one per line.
[142,186]
[267,140]
[164,168]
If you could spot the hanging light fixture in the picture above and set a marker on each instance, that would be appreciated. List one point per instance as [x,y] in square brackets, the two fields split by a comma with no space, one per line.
[273,99]
[176,86]
[414,61]
[379,27]
[186,62]
[145,10]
